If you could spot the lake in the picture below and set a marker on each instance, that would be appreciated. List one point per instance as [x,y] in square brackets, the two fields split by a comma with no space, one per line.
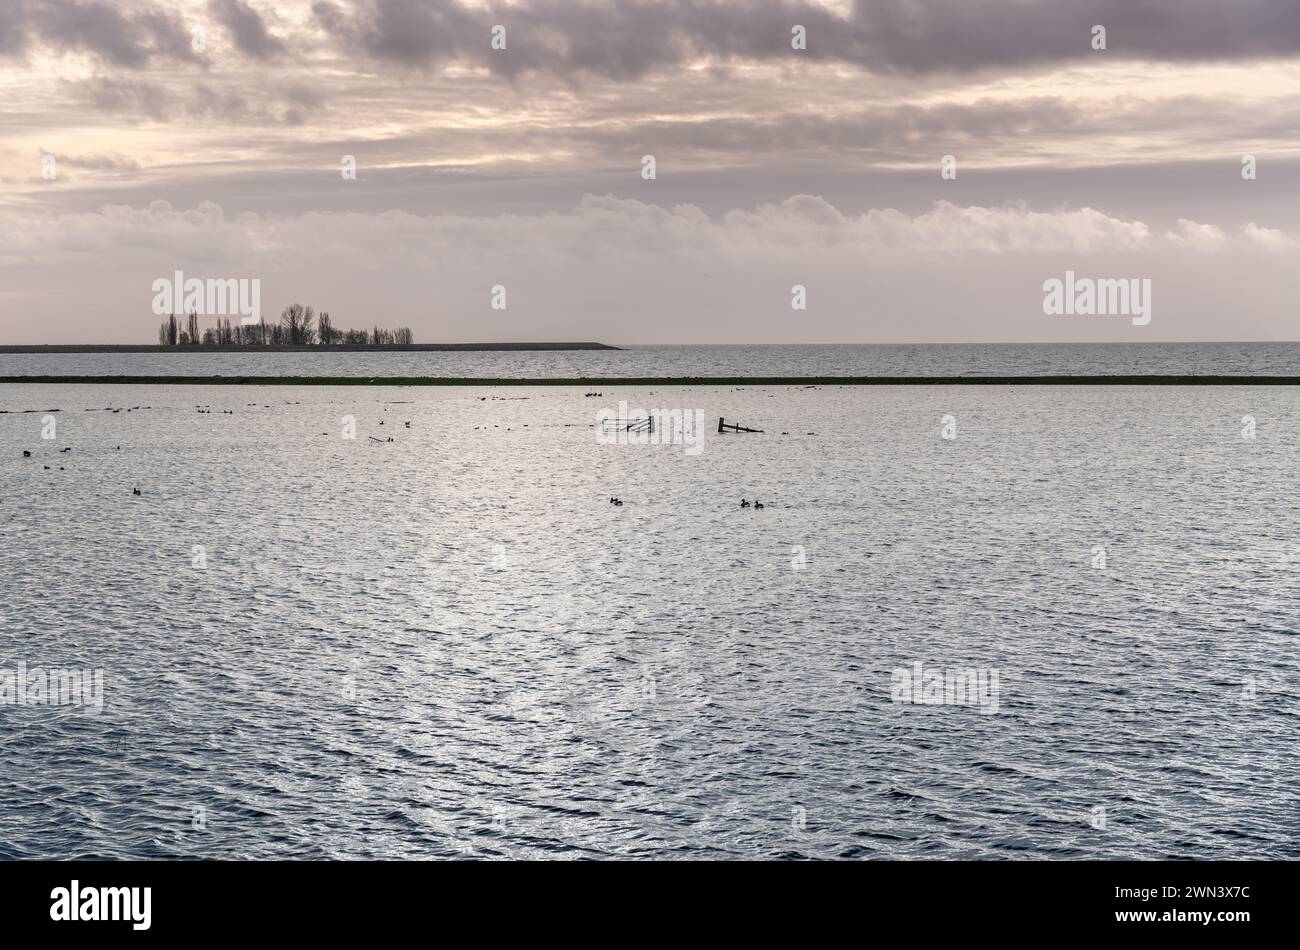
[1069,630]
[1122,359]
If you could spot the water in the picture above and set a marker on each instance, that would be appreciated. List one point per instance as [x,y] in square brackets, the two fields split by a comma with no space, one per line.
[452,645]
[863,360]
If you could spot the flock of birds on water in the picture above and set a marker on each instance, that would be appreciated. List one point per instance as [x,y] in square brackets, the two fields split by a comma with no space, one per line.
[756,505]
[616,502]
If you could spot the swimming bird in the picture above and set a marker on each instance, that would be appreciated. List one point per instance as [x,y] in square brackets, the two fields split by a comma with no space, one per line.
[757,505]
[135,491]
[743,503]
[26,454]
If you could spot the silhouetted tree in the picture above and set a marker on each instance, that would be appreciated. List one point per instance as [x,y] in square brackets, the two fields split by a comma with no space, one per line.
[298,326]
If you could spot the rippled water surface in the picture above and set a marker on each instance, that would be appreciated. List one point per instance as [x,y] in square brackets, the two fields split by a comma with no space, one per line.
[452,644]
[865,360]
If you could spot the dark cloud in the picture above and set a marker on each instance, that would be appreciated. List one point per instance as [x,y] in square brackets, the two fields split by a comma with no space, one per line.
[246,27]
[130,36]
[625,39]
[13,20]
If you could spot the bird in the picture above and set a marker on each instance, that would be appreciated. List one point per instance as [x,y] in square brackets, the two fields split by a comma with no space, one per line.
[26,454]
[743,503]
[618,503]
[757,505]
[135,491]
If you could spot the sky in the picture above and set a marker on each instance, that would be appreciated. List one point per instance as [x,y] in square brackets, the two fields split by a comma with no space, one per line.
[139,138]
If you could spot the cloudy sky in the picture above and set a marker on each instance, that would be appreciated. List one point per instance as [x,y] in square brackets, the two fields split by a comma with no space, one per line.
[208,136]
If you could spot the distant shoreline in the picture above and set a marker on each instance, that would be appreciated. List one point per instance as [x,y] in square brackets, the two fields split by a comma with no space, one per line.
[1150,380]
[293,348]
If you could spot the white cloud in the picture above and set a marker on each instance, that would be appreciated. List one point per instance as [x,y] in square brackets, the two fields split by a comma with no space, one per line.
[1202,237]
[604,225]
[1268,238]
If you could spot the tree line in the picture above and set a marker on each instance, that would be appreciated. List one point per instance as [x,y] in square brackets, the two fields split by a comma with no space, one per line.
[298,326]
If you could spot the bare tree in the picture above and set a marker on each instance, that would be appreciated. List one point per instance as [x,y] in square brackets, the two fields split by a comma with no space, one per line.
[296,324]
[299,325]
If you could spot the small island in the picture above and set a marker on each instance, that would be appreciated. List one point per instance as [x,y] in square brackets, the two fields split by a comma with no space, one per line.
[299,329]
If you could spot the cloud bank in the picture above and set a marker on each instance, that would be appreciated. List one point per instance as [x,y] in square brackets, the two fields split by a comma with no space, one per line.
[630,271]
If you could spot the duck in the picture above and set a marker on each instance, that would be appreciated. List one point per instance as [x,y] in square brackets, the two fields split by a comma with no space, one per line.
[618,503]
[135,491]
[757,505]
[743,503]
[26,454]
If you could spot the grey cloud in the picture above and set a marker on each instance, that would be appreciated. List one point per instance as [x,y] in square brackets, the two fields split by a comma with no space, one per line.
[13,35]
[110,163]
[628,38]
[271,105]
[130,38]
[246,27]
